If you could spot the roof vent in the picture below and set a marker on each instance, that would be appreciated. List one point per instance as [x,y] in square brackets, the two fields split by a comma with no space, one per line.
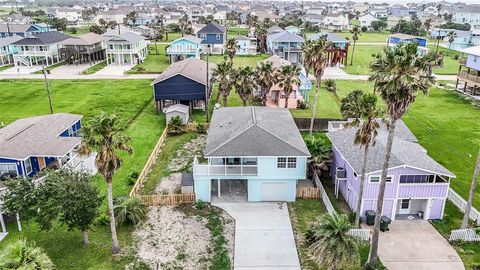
[254,117]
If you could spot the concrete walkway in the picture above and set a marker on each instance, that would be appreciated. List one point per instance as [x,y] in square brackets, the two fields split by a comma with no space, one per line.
[415,244]
[69,69]
[263,236]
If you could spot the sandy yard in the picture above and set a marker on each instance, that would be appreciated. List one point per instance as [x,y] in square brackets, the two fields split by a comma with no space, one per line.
[172,239]
[183,159]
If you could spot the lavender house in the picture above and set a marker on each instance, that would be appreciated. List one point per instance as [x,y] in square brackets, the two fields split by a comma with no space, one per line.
[417,186]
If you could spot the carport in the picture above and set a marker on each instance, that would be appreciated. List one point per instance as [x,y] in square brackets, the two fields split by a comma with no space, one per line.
[229,190]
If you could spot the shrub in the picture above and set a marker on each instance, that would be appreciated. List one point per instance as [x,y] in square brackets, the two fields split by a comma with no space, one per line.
[176,126]
[201,128]
[132,178]
[331,85]
[200,205]
[301,104]
[129,210]
[23,255]
[364,29]
[140,69]
[103,220]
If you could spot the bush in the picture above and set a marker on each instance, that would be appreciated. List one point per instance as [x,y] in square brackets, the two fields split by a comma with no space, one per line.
[129,210]
[103,220]
[331,85]
[201,128]
[200,205]
[176,126]
[301,104]
[364,29]
[132,178]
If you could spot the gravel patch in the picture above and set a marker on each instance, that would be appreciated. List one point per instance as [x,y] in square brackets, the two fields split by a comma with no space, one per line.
[183,160]
[169,184]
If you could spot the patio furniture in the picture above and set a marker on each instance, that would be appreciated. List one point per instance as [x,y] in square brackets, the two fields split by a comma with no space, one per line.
[384,222]
[370,214]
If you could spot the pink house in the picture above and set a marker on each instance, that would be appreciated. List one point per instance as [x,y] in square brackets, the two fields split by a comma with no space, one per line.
[417,186]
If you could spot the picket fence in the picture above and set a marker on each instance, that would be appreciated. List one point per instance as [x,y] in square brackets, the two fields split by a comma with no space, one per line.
[459,202]
[308,193]
[464,235]
[361,234]
[323,195]
[167,199]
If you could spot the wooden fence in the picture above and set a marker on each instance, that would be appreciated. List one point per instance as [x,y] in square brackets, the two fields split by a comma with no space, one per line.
[308,193]
[323,195]
[153,156]
[319,124]
[464,235]
[361,234]
[167,199]
[459,202]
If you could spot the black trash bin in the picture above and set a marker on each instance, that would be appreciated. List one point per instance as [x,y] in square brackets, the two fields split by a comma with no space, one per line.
[370,214]
[384,221]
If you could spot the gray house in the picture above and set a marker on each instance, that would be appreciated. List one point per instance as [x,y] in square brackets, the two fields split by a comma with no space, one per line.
[286,45]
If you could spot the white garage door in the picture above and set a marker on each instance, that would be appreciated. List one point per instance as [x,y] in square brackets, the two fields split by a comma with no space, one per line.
[274,192]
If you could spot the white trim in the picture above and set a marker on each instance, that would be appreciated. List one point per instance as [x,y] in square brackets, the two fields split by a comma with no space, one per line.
[404,211]
[370,176]
[408,166]
[428,183]
[14,163]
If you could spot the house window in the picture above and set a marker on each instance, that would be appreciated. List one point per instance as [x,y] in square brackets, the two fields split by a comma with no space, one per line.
[355,174]
[70,132]
[376,179]
[28,165]
[218,36]
[283,162]
[203,36]
[417,179]
[10,168]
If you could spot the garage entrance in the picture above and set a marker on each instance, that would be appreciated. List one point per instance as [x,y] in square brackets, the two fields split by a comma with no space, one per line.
[275,191]
[411,209]
[228,190]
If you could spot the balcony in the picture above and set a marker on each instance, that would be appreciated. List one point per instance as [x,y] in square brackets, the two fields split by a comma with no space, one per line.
[467,76]
[183,51]
[244,168]
[35,53]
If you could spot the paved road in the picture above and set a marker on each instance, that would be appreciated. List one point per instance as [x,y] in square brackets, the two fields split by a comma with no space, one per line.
[263,236]
[415,244]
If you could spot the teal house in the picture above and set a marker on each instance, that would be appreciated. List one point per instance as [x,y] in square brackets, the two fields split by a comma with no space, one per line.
[185,47]
[252,154]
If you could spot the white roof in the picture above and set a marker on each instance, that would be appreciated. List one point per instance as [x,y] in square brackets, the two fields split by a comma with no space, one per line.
[472,50]
[177,108]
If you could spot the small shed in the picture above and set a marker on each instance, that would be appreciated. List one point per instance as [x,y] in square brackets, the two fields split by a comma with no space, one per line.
[187,183]
[178,110]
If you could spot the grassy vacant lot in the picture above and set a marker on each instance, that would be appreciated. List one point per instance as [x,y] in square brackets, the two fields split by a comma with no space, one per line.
[239,60]
[450,64]
[80,30]
[154,63]
[364,55]
[95,68]
[367,37]
[130,101]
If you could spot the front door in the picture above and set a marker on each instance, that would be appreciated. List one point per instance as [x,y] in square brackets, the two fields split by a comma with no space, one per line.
[404,207]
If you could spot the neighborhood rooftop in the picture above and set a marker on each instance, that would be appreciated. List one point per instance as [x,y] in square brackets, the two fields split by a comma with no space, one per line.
[277,61]
[190,38]
[212,28]
[192,68]
[254,131]
[330,37]
[85,39]
[43,38]
[38,136]
[285,36]
[405,151]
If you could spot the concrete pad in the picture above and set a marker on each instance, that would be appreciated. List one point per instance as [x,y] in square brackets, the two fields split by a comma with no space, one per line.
[416,244]
[70,69]
[20,70]
[334,71]
[114,69]
[263,236]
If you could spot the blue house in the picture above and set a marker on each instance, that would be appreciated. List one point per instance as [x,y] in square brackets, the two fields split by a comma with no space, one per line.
[23,30]
[252,154]
[214,37]
[184,47]
[30,145]
[395,39]
[183,82]
[286,45]
[7,50]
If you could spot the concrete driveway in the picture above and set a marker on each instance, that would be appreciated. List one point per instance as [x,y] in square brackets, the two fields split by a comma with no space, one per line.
[114,69]
[415,244]
[70,69]
[263,236]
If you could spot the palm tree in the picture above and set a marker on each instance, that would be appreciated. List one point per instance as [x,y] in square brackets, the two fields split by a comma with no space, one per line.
[224,75]
[355,33]
[157,33]
[132,16]
[451,38]
[231,47]
[399,74]
[185,24]
[321,151]
[245,83]
[288,78]
[265,77]
[261,35]
[316,58]
[307,50]
[473,187]
[23,255]
[103,136]
[363,108]
[330,244]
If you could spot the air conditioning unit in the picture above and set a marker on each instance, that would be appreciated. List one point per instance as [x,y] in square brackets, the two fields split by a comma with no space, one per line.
[341,173]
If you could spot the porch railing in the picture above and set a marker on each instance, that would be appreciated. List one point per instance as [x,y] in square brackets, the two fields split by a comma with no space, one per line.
[468,76]
[224,170]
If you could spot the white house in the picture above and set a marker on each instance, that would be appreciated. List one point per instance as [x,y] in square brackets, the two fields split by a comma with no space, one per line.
[366,20]
[246,45]
[468,14]
[72,15]
[126,48]
[335,22]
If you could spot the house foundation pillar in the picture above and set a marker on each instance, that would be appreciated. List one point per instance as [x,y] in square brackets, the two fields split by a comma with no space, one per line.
[2,223]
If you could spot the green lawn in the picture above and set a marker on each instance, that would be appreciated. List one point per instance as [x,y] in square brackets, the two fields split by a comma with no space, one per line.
[80,30]
[239,60]
[154,63]
[5,67]
[364,55]
[95,68]
[131,101]
[367,37]
[236,31]
[450,64]
[469,252]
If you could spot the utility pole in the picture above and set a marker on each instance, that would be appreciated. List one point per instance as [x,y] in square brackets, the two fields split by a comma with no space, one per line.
[48,88]
[207,88]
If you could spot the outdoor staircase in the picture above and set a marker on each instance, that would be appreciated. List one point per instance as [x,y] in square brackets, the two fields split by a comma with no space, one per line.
[23,60]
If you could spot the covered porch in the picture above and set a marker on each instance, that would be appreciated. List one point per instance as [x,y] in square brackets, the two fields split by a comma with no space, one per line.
[229,190]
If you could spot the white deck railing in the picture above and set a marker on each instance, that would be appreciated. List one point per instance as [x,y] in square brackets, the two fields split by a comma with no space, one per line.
[464,235]
[459,202]
[324,195]
[361,234]
[223,170]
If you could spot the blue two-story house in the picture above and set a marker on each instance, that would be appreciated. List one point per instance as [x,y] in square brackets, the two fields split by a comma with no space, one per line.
[214,37]
[30,145]
[184,47]
[286,45]
[395,39]
[252,154]
[7,50]
[23,30]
